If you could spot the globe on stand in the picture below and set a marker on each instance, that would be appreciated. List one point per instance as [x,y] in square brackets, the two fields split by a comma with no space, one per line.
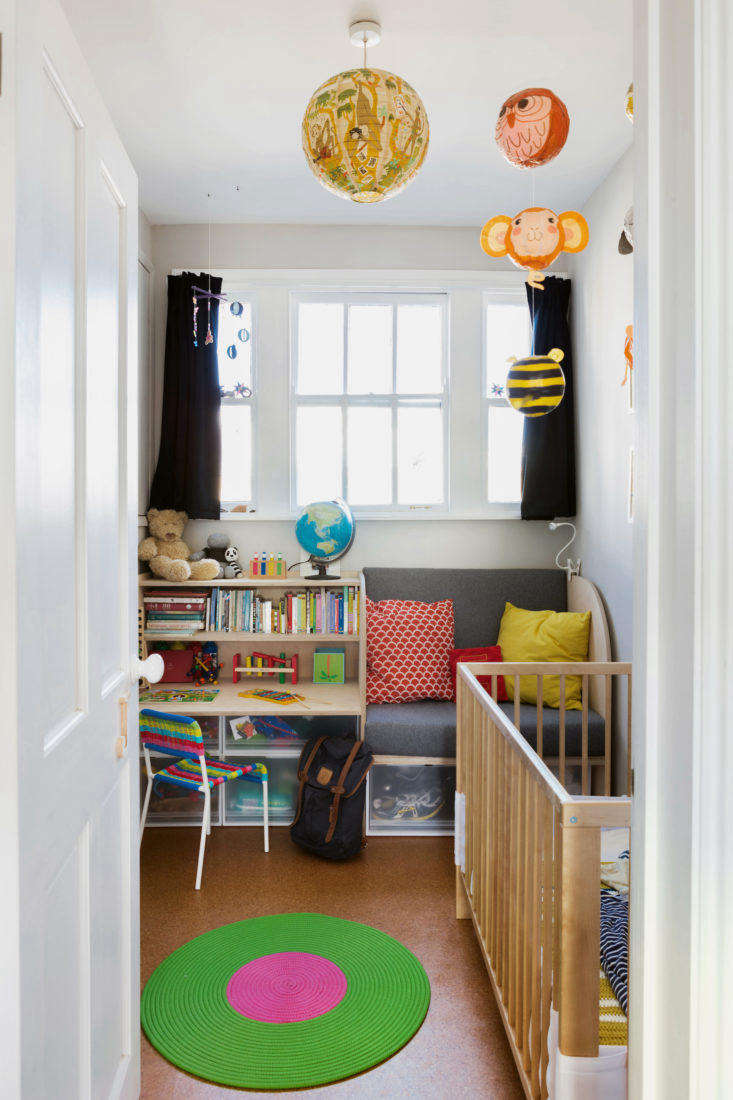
[325,529]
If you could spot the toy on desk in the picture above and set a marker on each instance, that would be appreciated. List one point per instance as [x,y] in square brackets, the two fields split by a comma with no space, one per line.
[219,548]
[205,667]
[265,664]
[185,695]
[328,665]
[282,698]
[268,565]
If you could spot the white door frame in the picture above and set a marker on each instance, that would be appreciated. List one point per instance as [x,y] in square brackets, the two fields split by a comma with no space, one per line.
[681,1041]
[9,807]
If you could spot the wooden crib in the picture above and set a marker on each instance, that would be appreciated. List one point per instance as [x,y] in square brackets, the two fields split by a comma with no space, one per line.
[528,874]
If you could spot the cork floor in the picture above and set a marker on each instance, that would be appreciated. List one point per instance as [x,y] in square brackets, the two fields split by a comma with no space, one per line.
[402,886]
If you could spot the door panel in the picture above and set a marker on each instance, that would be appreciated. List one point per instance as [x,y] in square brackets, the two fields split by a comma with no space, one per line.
[57,455]
[76,515]
[105,213]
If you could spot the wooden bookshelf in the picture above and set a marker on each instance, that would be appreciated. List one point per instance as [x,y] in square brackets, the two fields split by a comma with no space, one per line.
[320,699]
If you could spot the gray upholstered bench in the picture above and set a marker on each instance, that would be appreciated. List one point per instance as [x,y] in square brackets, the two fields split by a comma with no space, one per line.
[401,734]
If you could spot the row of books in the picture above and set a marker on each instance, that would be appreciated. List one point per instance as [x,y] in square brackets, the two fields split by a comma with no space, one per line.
[173,611]
[315,611]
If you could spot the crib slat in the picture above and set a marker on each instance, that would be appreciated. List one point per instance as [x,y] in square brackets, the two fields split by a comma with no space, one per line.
[535,975]
[540,729]
[547,947]
[607,769]
[562,730]
[528,921]
[629,792]
[584,735]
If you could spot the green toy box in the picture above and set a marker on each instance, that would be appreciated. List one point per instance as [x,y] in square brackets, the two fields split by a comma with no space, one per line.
[328,665]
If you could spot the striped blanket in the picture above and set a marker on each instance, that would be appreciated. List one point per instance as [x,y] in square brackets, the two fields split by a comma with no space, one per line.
[615,942]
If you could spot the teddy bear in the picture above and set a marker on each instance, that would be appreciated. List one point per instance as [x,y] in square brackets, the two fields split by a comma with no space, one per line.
[167,555]
[219,548]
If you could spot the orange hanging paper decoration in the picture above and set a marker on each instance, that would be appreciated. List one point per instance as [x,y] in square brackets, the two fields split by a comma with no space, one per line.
[535,237]
[629,353]
[532,127]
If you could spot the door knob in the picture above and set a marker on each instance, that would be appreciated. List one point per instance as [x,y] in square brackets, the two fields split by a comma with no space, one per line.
[151,669]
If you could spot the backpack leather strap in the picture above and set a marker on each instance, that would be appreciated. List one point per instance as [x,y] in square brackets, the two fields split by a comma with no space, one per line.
[303,775]
[338,791]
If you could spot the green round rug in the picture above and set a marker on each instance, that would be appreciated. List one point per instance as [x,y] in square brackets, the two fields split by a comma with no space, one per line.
[283,1002]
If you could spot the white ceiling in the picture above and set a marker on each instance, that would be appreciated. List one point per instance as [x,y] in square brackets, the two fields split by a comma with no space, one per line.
[208,95]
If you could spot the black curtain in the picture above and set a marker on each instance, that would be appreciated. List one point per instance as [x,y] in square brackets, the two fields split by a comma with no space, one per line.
[548,443]
[188,473]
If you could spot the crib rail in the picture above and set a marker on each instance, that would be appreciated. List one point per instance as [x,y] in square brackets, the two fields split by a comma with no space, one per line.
[529,878]
[596,691]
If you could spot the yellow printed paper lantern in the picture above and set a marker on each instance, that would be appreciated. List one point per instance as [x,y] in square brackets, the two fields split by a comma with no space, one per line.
[365,134]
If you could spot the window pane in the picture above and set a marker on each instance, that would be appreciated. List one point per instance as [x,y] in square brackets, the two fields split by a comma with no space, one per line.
[233,331]
[236,453]
[419,456]
[369,455]
[370,349]
[507,334]
[505,453]
[320,347]
[318,454]
[419,349]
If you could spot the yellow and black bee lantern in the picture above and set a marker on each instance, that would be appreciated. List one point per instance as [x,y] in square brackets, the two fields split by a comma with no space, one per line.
[536,385]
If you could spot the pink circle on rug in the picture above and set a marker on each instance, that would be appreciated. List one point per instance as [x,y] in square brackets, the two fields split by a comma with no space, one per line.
[286,988]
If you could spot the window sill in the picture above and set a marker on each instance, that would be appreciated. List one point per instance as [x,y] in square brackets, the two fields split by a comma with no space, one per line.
[497,512]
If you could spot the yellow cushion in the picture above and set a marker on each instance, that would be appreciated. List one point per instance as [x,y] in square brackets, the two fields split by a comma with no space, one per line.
[544,636]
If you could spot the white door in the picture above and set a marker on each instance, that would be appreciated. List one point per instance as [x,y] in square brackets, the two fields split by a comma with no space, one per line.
[75,513]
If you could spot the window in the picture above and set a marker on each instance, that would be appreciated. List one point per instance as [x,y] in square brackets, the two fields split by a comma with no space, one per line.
[506,334]
[369,393]
[236,371]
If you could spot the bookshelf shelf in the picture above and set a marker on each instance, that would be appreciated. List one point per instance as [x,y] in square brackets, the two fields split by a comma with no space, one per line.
[320,700]
[242,636]
[146,580]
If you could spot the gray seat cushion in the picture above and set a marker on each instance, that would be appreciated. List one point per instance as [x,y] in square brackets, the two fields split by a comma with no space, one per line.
[429,729]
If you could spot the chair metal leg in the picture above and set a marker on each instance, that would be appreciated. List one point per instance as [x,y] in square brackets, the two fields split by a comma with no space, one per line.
[146,803]
[266,814]
[202,842]
[208,819]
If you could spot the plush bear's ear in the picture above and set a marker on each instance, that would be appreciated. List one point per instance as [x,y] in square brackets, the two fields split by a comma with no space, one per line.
[153,512]
[183,517]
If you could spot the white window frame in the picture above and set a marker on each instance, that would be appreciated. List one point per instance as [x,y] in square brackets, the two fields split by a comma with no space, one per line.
[241,292]
[393,401]
[495,297]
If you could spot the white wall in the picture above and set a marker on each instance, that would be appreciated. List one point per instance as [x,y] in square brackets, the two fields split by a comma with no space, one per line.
[602,307]
[442,543]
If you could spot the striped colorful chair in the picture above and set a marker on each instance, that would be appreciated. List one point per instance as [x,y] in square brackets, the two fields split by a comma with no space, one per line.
[175,735]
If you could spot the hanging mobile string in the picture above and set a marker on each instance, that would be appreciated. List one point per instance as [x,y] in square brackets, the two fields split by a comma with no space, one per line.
[209,334]
[531,279]
[365,50]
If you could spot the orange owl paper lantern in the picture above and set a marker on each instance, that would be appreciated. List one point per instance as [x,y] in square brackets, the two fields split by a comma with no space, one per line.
[535,237]
[532,127]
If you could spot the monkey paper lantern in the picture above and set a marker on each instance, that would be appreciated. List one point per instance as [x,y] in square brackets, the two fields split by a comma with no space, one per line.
[532,127]
[365,134]
[534,237]
[535,385]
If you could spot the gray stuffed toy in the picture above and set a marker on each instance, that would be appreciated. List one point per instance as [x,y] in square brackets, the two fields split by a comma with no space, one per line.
[218,547]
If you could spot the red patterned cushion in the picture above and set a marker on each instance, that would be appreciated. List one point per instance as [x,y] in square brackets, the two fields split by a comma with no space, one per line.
[408,646]
[480,653]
